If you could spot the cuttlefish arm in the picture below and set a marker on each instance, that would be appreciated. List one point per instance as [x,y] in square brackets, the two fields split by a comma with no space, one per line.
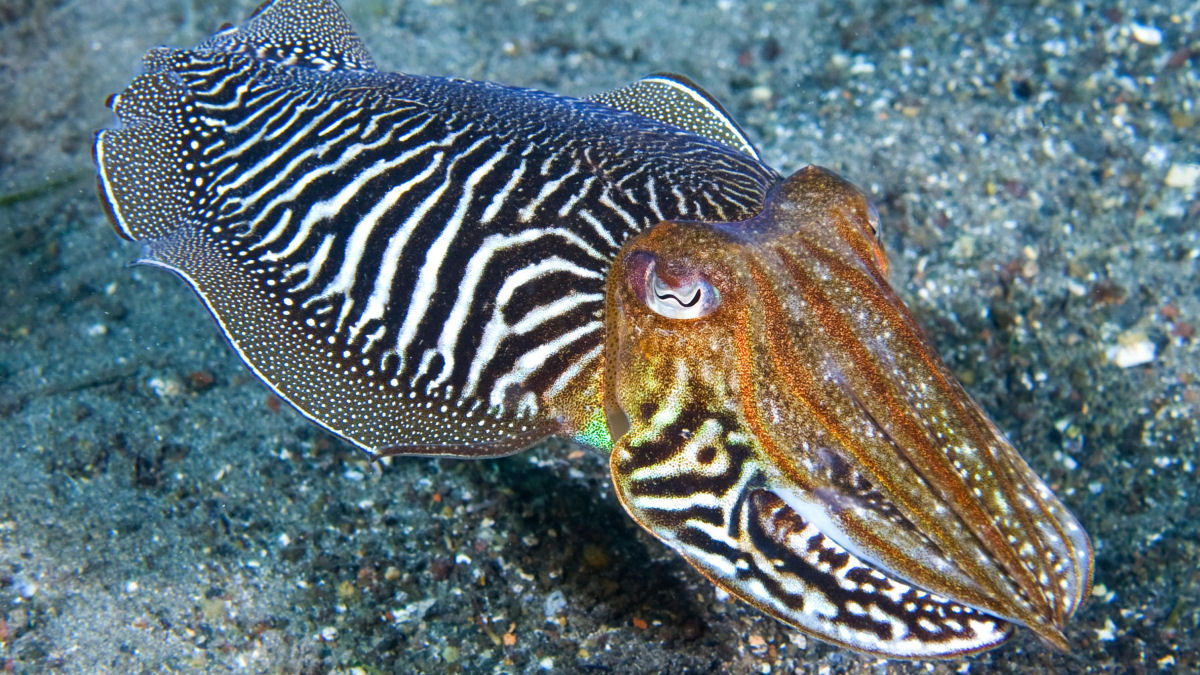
[789,430]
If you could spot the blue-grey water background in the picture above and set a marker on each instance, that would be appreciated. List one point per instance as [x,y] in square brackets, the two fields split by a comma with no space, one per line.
[1035,166]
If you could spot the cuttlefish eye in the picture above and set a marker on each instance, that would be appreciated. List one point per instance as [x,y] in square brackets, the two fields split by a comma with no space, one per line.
[676,296]
[876,233]
[873,222]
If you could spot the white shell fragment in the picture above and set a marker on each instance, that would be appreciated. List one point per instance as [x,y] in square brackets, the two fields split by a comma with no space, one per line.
[1133,348]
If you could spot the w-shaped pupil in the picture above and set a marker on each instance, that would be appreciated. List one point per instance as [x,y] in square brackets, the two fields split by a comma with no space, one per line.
[691,299]
[672,296]
[688,295]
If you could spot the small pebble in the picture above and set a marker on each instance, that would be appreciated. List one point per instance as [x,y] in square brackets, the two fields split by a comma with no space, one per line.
[27,589]
[329,634]
[595,557]
[1147,35]
[761,94]
[860,67]
[346,590]
[555,603]
[165,387]
[1183,176]
[18,620]
[213,609]
[1133,348]
[201,380]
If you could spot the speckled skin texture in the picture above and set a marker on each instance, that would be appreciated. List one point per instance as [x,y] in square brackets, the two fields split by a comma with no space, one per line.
[158,512]
[821,392]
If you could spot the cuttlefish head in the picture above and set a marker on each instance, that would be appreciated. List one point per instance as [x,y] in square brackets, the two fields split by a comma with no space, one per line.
[782,422]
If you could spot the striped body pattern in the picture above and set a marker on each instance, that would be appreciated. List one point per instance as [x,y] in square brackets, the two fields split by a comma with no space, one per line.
[438,266]
[436,247]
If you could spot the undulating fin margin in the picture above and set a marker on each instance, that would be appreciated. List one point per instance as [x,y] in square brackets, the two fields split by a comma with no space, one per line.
[143,178]
[674,99]
[313,33]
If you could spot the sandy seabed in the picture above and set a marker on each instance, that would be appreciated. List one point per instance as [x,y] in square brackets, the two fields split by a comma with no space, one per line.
[1035,168]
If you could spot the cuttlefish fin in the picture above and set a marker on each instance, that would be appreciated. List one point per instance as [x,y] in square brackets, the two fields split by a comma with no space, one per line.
[307,33]
[676,100]
[148,173]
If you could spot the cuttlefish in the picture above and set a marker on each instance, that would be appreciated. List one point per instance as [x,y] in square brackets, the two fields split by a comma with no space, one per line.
[439,266]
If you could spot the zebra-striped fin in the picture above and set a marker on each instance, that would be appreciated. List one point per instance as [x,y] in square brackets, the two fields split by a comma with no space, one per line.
[313,34]
[676,100]
[415,263]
